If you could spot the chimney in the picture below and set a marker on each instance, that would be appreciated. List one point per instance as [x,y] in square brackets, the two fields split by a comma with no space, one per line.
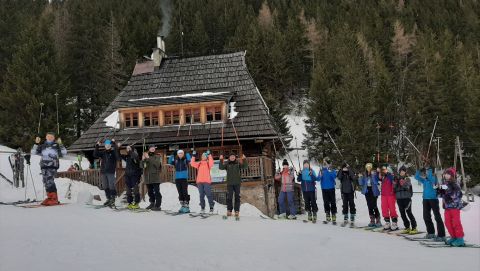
[158,52]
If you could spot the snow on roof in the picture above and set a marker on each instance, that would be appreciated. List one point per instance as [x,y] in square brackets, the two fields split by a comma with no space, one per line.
[205,93]
[112,120]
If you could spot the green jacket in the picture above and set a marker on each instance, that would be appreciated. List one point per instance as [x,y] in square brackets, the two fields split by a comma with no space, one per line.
[233,170]
[152,166]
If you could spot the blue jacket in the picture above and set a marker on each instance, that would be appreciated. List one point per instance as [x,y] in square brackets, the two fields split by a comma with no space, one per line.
[429,191]
[363,182]
[327,178]
[181,166]
[307,178]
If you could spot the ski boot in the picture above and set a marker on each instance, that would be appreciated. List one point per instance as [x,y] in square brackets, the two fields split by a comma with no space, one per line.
[334,219]
[386,227]
[394,226]
[406,231]
[314,218]
[440,239]
[430,236]
[292,217]
[450,241]
[345,220]
[112,202]
[282,216]
[130,206]
[182,207]
[327,219]
[413,231]
[107,202]
[211,211]
[202,211]
[237,216]
[309,216]
[150,206]
[229,213]
[372,222]
[458,242]
[352,220]
[378,222]
[135,206]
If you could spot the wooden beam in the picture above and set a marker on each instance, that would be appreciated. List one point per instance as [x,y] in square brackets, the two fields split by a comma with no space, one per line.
[161,118]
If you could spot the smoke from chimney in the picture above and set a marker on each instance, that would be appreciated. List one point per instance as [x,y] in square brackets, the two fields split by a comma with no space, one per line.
[166,6]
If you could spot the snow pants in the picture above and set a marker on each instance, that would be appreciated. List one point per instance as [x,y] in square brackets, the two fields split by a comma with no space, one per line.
[372,203]
[389,210]
[348,203]
[205,189]
[182,188]
[233,191]
[329,201]
[453,223]
[310,201]
[133,193]
[291,204]
[48,178]
[405,207]
[430,205]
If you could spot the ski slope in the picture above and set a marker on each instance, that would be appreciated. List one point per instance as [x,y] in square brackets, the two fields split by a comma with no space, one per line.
[75,237]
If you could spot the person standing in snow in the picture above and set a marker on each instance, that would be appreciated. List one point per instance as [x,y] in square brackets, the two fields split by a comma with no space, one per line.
[327,177]
[133,173]
[108,166]
[308,178]
[204,179]
[151,163]
[431,204]
[286,177]
[452,203]
[234,181]
[347,188]
[180,161]
[369,186]
[389,211]
[404,192]
[18,165]
[50,151]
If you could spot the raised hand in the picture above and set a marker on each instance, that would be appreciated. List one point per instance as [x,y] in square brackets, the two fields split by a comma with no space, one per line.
[37,140]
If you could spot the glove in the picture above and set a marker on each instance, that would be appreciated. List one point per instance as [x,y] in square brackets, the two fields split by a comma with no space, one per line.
[37,140]
[59,141]
[444,187]
[194,153]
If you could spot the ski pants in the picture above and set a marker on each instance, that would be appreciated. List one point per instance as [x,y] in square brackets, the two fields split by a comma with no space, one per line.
[233,190]
[291,204]
[154,195]
[108,184]
[348,203]
[310,201]
[430,205]
[133,193]
[453,223]
[405,207]
[205,189]
[372,203]
[329,201]
[48,178]
[182,188]
[389,210]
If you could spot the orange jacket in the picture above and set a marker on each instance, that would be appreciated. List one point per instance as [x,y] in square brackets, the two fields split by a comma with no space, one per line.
[203,169]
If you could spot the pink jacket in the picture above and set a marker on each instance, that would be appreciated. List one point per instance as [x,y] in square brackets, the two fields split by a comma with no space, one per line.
[203,169]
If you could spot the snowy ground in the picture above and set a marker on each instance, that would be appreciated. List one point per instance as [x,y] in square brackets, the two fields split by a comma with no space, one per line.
[75,237]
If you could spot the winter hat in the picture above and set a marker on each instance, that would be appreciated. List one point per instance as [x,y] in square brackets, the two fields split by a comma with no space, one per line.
[368,165]
[180,151]
[151,146]
[51,133]
[402,168]
[108,142]
[306,162]
[205,154]
[285,162]
[344,164]
[451,171]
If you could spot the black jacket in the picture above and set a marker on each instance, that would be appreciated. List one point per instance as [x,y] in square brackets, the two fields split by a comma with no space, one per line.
[347,180]
[108,159]
[132,161]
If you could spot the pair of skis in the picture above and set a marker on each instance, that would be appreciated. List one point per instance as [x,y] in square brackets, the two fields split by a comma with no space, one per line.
[202,215]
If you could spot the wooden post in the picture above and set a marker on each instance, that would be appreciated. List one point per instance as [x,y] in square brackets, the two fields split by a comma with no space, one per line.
[161,118]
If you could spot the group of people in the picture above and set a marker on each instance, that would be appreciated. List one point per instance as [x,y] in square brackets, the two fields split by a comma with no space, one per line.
[393,189]
[150,165]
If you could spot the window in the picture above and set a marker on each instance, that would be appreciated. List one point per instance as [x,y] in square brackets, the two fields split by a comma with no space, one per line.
[192,115]
[150,119]
[131,120]
[214,113]
[172,117]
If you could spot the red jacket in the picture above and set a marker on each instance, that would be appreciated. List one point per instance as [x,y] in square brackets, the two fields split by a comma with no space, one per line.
[203,169]
[387,185]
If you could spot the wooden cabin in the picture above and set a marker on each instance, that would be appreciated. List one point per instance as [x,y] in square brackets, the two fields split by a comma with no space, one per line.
[195,103]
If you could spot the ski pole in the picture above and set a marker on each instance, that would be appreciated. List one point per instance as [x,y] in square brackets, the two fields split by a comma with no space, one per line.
[335,144]
[298,156]
[40,118]
[431,137]
[58,123]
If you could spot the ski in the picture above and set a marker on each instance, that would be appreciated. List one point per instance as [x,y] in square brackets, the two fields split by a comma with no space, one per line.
[40,205]
[6,179]
[194,214]
[266,217]
[19,202]
[205,216]
[440,245]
